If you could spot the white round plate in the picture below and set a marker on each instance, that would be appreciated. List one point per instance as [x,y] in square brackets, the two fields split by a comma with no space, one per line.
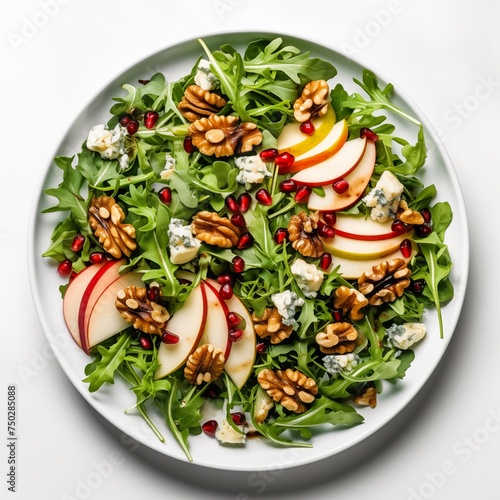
[110,402]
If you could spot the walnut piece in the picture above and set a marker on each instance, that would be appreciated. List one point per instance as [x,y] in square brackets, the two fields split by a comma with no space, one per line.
[303,236]
[292,389]
[338,338]
[367,398]
[215,230]
[350,301]
[407,215]
[206,364]
[224,135]
[270,324]
[312,102]
[197,103]
[385,282]
[134,306]
[105,219]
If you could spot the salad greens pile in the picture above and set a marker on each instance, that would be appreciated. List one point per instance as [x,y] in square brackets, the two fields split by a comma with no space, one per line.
[260,86]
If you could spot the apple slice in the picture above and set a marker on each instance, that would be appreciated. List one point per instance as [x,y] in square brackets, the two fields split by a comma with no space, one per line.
[336,167]
[353,269]
[188,323]
[108,273]
[216,327]
[360,228]
[363,249]
[293,141]
[105,320]
[358,179]
[239,364]
[73,298]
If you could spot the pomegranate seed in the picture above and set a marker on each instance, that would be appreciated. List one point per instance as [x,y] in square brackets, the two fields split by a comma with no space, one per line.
[73,275]
[233,319]
[302,194]
[325,231]
[132,127]
[340,186]
[165,195]
[65,267]
[261,347]
[423,230]
[143,82]
[231,203]
[238,220]
[225,279]
[209,427]
[288,186]
[145,343]
[330,218]
[398,227]
[245,241]
[96,257]
[244,202]
[280,235]
[153,293]
[284,160]
[169,338]
[238,264]
[125,119]
[426,214]
[150,119]
[418,286]
[238,418]
[263,196]
[269,154]
[235,334]
[368,133]
[213,391]
[226,291]
[307,127]
[325,261]
[337,315]
[77,243]
[406,248]
[188,145]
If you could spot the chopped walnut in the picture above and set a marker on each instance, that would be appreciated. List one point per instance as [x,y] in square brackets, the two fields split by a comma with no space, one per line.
[292,389]
[385,282]
[313,101]
[270,324]
[215,230]
[407,215]
[224,135]
[134,306]
[350,301]
[206,364]
[338,338]
[367,398]
[197,103]
[105,219]
[302,234]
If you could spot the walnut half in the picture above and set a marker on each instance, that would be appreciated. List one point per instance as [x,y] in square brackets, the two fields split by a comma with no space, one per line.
[206,364]
[197,103]
[338,338]
[270,324]
[312,102]
[303,236]
[213,229]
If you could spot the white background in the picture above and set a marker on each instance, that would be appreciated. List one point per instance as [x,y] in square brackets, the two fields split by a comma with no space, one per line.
[446,55]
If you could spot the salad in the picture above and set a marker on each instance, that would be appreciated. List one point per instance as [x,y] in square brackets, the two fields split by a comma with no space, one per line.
[254,238]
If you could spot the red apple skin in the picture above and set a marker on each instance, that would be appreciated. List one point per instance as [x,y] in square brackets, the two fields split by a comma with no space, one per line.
[367,237]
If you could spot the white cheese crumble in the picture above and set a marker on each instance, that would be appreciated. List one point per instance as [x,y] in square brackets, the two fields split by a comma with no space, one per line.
[110,144]
[204,77]
[308,277]
[225,434]
[384,197]
[405,335]
[182,244]
[252,170]
[336,363]
[168,169]
[286,302]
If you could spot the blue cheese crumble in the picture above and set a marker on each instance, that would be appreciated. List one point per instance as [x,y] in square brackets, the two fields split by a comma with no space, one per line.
[110,144]
[182,244]
[308,277]
[286,302]
[252,170]
[168,169]
[384,198]
[338,363]
[204,77]
[405,335]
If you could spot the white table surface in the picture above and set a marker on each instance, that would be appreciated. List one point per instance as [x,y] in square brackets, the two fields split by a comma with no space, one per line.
[57,54]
